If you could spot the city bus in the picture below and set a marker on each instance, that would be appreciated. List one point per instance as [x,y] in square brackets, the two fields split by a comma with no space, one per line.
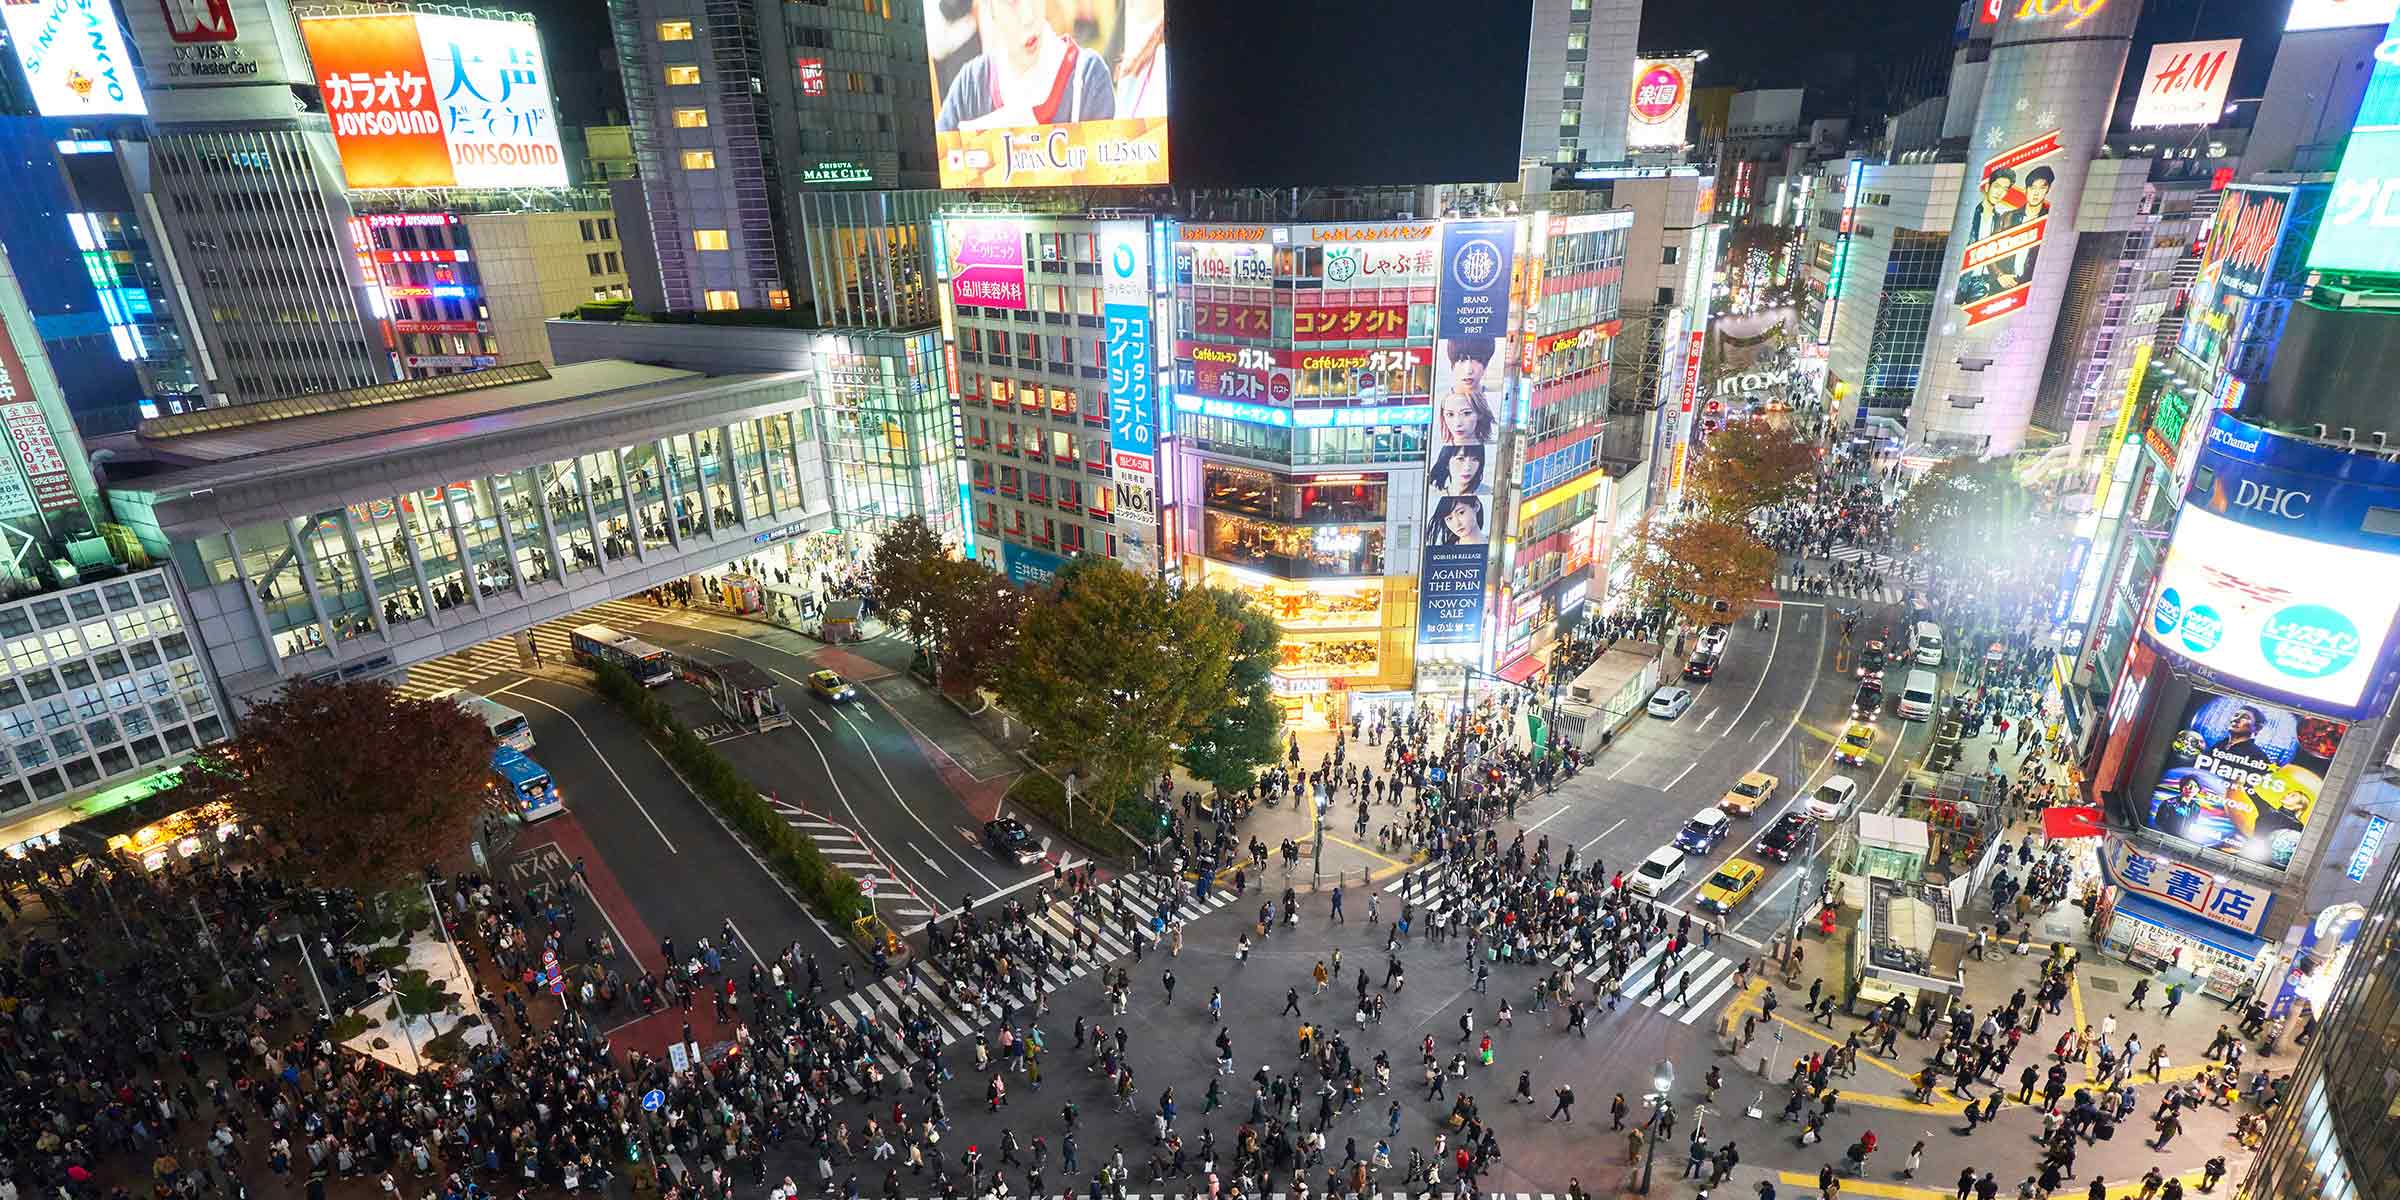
[521,786]
[507,724]
[596,644]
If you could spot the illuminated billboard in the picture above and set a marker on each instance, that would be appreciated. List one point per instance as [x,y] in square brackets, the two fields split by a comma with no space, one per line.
[1047,93]
[2339,14]
[987,264]
[1474,369]
[2185,83]
[429,100]
[2005,229]
[74,57]
[2274,582]
[214,43]
[2363,212]
[2241,777]
[1661,103]
[2235,259]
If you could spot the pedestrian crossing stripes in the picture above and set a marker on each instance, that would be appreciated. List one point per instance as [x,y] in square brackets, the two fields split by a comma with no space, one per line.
[1874,560]
[879,999]
[892,895]
[1686,989]
[470,669]
[1816,583]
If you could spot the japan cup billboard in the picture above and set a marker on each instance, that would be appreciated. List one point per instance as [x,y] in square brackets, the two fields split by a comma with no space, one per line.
[1048,93]
[428,100]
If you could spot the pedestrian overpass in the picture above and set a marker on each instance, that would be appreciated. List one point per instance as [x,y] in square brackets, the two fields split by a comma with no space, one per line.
[351,534]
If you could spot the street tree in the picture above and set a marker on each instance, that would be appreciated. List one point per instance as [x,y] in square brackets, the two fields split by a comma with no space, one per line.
[1701,569]
[979,618]
[352,784]
[1245,733]
[1114,670]
[1963,510]
[1751,464]
[906,573]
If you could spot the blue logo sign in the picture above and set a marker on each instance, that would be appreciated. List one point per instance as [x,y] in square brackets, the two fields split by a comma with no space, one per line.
[653,1100]
[2203,628]
[1477,257]
[2368,844]
[2308,641]
[2167,613]
[1121,261]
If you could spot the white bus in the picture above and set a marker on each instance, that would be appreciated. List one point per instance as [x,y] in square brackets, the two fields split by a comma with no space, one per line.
[595,644]
[507,724]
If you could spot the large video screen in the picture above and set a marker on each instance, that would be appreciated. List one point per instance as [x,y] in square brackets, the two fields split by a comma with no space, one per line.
[2298,618]
[74,57]
[2356,233]
[428,100]
[2242,777]
[1048,93]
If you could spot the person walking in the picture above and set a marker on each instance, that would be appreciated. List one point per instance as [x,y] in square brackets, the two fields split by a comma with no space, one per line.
[1291,1003]
[1565,1109]
[1616,1113]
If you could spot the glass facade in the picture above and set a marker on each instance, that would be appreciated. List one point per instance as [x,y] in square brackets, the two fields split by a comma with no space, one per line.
[1897,350]
[890,436]
[2337,1134]
[99,681]
[369,569]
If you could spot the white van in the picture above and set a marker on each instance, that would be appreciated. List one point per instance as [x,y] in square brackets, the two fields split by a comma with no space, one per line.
[1917,696]
[1832,798]
[1929,644]
[1658,873]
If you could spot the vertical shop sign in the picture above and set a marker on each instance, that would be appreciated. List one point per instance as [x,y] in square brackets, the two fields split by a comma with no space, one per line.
[1132,388]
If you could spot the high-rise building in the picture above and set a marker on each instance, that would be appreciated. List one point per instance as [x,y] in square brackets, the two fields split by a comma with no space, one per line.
[741,109]
[1578,75]
[246,186]
[463,289]
[2040,118]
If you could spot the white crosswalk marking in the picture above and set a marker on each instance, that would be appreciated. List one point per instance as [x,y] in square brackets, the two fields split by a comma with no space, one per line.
[1647,983]
[1789,581]
[479,664]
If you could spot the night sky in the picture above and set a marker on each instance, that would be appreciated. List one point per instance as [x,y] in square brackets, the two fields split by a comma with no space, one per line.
[1847,50]
[1846,54]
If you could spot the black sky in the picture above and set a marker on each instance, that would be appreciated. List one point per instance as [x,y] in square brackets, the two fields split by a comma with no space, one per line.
[1843,50]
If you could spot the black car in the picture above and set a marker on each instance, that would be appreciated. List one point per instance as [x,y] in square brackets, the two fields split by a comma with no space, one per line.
[1702,666]
[1012,842]
[1870,699]
[1787,836]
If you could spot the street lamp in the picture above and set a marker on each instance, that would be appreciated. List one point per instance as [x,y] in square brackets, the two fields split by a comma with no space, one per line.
[1662,1079]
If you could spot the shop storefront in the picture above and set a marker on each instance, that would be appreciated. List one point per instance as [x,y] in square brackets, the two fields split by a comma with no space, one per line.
[2183,922]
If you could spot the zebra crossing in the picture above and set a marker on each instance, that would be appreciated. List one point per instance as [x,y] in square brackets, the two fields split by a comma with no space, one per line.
[1790,581]
[467,670]
[879,999]
[1872,559]
[844,849]
[1686,989]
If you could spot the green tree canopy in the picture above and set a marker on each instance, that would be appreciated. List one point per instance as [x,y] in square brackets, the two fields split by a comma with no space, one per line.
[353,784]
[1114,670]
[1246,733]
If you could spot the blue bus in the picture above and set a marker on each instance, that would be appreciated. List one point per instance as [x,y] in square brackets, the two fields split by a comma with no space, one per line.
[521,786]
[596,644]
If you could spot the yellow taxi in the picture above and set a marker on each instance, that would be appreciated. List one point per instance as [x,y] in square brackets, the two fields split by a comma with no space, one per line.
[1731,884]
[1748,793]
[1857,742]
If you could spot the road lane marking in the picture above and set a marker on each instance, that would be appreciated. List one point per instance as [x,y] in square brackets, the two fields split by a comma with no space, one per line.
[1603,833]
[602,755]
[1637,757]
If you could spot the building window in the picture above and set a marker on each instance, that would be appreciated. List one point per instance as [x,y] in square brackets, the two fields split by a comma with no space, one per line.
[699,160]
[722,299]
[710,239]
[1574,79]
[586,228]
[591,264]
[683,74]
[611,257]
[691,118]
[1669,254]
[674,31]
